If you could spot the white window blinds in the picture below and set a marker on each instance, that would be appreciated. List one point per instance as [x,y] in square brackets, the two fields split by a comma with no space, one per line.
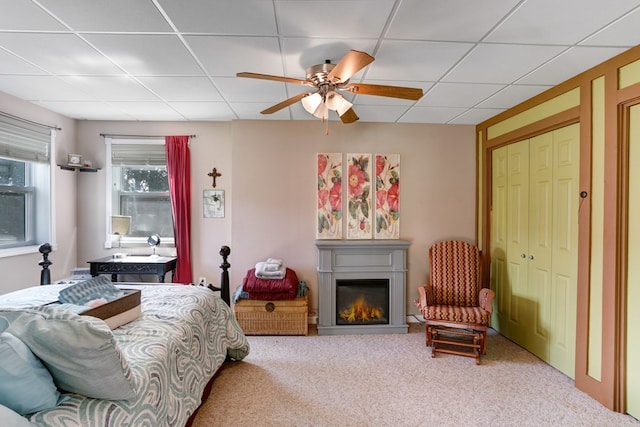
[125,154]
[20,140]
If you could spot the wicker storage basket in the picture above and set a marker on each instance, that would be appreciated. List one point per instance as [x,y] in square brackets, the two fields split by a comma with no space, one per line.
[282,317]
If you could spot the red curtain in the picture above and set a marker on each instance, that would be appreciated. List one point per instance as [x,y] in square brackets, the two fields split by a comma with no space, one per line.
[179,169]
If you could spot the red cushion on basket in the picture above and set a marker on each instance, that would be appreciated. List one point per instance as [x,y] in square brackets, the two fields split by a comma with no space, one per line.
[286,288]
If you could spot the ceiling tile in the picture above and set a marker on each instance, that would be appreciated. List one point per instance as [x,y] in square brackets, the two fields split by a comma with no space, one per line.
[112,15]
[415,61]
[26,15]
[226,56]
[382,114]
[321,18]
[512,95]
[112,88]
[570,63]
[146,55]
[182,88]
[11,64]
[237,17]
[431,114]
[204,111]
[40,88]
[558,22]
[452,20]
[239,89]
[623,32]
[152,111]
[86,110]
[514,62]
[58,53]
[475,115]
[458,94]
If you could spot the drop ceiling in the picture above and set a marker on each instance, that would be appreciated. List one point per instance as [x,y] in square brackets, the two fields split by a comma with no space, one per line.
[176,60]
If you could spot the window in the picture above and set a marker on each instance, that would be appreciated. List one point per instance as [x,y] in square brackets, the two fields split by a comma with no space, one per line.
[138,202]
[25,192]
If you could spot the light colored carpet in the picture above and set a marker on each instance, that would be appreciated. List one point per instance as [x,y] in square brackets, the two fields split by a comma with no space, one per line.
[392,380]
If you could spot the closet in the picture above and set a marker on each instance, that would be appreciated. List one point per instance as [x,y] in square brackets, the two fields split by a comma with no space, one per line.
[534,238]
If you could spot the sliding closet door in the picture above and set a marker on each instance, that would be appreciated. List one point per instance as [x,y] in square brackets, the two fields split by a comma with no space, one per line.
[633,269]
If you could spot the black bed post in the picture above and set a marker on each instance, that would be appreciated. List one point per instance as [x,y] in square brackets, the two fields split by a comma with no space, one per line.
[45,274]
[224,277]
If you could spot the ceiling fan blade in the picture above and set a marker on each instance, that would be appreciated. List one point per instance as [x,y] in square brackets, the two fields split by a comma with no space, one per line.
[270,77]
[349,116]
[350,64]
[284,103]
[382,90]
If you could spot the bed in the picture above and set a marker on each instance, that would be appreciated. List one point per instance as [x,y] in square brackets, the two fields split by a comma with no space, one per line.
[166,357]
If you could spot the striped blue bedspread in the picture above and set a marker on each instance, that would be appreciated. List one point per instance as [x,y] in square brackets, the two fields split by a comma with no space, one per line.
[181,339]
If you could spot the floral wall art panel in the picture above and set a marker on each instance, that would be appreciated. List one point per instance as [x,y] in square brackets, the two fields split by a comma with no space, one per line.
[329,196]
[387,196]
[358,168]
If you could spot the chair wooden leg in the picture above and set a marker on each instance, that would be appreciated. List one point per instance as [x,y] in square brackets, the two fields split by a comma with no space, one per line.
[428,336]
[484,342]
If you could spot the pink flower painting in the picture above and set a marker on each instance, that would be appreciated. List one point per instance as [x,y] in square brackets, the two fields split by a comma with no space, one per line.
[387,196]
[359,225]
[329,207]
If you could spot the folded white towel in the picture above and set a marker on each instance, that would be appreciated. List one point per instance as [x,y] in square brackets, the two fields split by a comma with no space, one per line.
[261,273]
[272,264]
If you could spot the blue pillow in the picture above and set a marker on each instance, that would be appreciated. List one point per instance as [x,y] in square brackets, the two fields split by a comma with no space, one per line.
[80,352]
[26,386]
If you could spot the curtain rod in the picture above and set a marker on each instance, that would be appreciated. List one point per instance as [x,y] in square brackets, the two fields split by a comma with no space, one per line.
[137,136]
[11,116]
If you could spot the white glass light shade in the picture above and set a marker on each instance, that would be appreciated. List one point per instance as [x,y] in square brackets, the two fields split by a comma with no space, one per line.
[322,112]
[311,102]
[336,102]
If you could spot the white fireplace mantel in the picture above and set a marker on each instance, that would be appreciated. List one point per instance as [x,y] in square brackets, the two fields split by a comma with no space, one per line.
[362,259]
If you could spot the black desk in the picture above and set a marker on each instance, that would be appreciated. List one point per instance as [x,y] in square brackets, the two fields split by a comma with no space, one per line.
[148,264]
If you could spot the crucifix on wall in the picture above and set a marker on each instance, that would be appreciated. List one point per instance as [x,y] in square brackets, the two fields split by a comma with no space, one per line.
[214,174]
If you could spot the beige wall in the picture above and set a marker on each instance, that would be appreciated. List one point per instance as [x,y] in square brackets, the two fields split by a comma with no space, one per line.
[269,178]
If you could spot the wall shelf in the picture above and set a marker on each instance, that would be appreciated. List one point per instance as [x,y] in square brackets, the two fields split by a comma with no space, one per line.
[78,168]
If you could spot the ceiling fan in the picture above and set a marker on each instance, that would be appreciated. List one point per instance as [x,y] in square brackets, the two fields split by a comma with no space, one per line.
[328,80]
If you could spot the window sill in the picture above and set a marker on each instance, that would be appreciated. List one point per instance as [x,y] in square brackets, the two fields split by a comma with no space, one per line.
[22,250]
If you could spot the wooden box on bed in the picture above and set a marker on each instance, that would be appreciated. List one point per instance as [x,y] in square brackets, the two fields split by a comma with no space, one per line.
[281,317]
[119,311]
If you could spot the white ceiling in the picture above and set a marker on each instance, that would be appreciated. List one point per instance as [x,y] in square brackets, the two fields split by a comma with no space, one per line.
[176,60]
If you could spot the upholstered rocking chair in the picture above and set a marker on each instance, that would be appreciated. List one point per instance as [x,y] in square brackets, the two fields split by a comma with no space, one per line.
[454,298]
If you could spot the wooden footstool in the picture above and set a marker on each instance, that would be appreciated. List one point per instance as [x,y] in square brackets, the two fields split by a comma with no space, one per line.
[462,342]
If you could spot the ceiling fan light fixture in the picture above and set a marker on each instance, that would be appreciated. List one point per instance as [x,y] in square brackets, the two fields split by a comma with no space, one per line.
[343,106]
[311,102]
[322,112]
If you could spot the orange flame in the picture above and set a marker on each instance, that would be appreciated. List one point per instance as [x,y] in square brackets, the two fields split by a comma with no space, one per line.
[361,311]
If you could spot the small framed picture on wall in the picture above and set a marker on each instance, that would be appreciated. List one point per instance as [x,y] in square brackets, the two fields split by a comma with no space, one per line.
[213,203]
